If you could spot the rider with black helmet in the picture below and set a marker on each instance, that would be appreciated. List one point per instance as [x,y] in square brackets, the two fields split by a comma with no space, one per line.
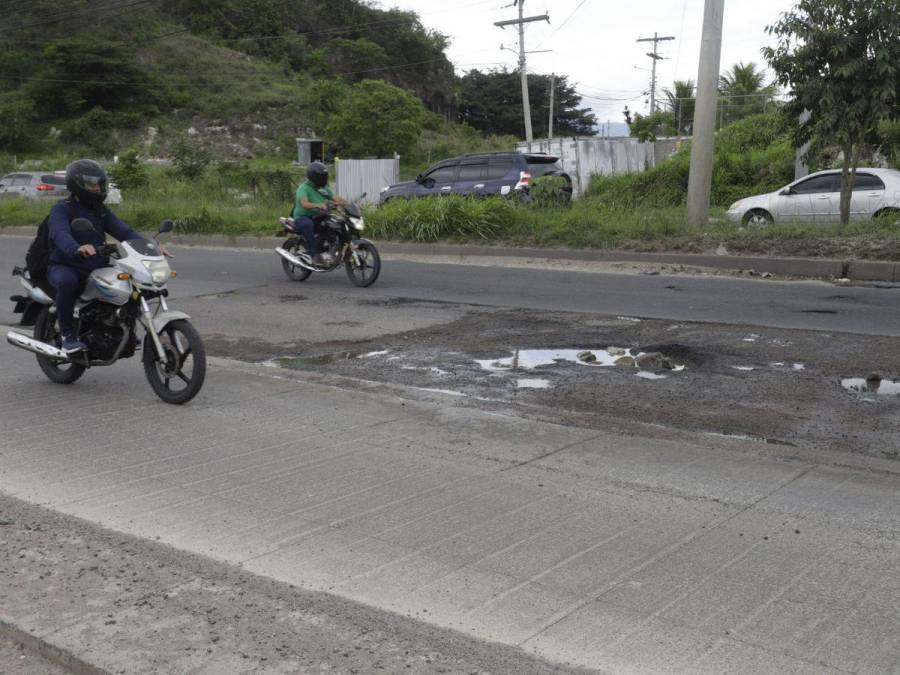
[310,202]
[73,254]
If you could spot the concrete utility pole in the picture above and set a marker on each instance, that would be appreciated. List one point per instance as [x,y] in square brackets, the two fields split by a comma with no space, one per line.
[654,55]
[523,73]
[552,92]
[704,136]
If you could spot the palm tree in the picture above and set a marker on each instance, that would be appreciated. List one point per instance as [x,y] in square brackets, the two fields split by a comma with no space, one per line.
[680,102]
[743,91]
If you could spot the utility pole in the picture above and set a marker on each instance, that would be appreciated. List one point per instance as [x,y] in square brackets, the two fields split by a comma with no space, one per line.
[704,136]
[654,55]
[552,92]
[523,73]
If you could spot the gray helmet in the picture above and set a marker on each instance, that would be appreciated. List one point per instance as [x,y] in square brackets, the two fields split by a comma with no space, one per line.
[87,181]
[317,173]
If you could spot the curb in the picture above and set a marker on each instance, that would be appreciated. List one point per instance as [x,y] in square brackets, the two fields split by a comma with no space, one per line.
[857,270]
[61,657]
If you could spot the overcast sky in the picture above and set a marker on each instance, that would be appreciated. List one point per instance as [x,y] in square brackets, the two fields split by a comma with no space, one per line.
[594,41]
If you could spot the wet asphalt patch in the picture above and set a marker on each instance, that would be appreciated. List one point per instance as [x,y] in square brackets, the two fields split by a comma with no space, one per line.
[740,381]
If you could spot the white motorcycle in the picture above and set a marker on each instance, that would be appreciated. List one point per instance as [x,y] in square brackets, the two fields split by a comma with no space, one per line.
[130,291]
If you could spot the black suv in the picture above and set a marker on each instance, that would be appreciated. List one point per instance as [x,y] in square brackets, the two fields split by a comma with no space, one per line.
[482,175]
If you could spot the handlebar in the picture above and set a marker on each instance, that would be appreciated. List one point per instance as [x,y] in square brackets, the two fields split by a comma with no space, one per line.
[101,249]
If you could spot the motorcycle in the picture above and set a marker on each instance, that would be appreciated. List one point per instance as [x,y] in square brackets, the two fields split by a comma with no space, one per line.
[340,241]
[130,291]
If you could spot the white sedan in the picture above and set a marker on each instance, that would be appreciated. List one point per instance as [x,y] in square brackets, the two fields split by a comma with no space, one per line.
[817,199]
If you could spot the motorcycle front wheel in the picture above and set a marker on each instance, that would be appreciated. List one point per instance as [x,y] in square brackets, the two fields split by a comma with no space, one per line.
[364,272]
[179,377]
[45,330]
[294,245]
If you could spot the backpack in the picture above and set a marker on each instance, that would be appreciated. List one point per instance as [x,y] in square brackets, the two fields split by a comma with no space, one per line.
[37,260]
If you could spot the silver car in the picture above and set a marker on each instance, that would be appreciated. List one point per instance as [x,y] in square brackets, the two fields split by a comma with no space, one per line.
[817,199]
[33,185]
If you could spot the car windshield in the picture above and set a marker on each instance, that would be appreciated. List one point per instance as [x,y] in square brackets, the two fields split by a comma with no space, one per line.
[146,247]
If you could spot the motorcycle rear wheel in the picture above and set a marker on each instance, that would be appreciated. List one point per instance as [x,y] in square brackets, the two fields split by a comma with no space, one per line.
[46,330]
[183,346]
[293,272]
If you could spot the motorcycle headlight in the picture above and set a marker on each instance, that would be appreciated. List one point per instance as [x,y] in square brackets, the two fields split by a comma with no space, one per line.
[358,224]
[159,270]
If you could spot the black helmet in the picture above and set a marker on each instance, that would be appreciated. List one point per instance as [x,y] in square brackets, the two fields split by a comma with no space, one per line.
[317,173]
[87,181]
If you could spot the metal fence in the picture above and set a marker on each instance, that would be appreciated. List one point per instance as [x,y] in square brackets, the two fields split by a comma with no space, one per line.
[583,157]
[354,177]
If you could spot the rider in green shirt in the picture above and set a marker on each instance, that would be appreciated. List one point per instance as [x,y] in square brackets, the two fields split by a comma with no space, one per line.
[311,201]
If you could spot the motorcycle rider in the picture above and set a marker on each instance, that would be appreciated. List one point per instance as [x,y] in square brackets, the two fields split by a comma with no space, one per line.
[73,255]
[310,202]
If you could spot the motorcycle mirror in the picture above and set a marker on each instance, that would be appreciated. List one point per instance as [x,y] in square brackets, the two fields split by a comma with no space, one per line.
[361,197]
[82,225]
[166,226]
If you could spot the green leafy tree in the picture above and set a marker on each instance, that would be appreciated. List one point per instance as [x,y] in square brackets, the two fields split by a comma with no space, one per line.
[650,127]
[492,102]
[376,119]
[680,101]
[351,58]
[840,59]
[743,91]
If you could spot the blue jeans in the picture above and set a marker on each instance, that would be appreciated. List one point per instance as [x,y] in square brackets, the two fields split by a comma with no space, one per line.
[68,282]
[305,226]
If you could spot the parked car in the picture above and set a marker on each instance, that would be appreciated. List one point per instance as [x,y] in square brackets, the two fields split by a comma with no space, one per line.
[34,185]
[481,175]
[44,184]
[817,199]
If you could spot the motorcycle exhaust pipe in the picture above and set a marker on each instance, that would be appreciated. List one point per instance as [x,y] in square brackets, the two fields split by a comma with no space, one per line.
[32,345]
[294,260]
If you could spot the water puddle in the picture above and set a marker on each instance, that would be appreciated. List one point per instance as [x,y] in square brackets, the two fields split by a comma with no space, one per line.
[529,359]
[871,385]
[532,383]
[646,375]
[298,362]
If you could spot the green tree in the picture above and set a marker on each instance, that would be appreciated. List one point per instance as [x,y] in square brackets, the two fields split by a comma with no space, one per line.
[650,127]
[743,91]
[492,102]
[841,61]
[680,101]
[351,58]
[376,119]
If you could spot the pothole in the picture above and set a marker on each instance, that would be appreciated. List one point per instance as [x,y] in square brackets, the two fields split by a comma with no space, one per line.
[873,384]
[529,359]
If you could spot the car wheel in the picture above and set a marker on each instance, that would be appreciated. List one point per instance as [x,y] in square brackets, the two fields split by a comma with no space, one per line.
[757,218]
[888,217]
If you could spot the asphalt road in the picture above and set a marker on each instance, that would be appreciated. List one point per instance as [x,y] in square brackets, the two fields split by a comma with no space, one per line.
[810,305]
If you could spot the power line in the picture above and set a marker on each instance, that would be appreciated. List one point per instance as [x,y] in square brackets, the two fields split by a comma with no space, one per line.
[562,25]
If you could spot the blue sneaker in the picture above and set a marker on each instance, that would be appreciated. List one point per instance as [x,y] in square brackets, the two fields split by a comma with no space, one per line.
[72,344]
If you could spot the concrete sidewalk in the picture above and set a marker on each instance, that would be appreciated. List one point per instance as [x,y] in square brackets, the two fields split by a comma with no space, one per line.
[612,552]
[828,268]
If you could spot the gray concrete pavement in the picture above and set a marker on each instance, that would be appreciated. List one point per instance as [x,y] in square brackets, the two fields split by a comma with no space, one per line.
[620,553]
[805,305]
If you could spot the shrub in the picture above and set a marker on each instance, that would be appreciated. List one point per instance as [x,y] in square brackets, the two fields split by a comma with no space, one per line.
[440,218]
[129,172]
[190,158]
